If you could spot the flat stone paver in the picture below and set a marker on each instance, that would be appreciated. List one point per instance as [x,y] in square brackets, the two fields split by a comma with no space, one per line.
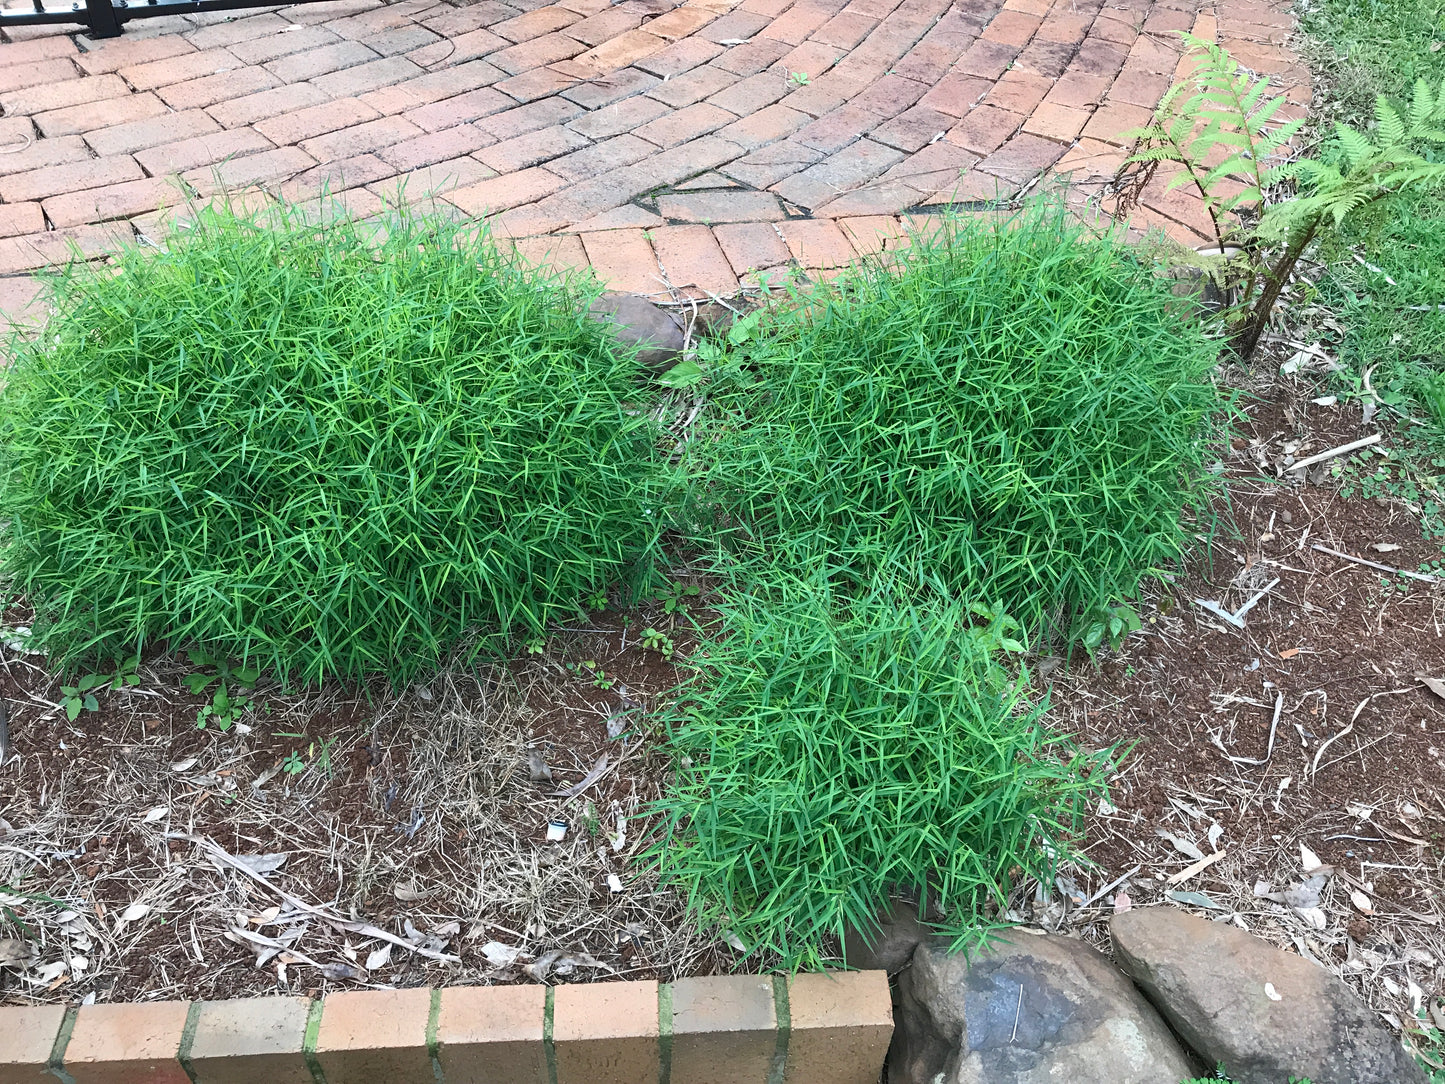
[675,147]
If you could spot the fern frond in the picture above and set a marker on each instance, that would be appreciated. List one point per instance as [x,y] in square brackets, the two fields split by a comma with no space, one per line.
[1389,122]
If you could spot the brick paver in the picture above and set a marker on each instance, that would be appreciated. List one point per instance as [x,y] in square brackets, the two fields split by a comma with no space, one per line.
[683,144]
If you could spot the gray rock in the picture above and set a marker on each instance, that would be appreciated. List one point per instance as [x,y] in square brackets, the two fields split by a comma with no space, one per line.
[1209,980]
[890,947]
[635,321]
[1036,1009]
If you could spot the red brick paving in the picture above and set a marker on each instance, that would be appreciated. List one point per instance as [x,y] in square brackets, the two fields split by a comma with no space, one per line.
[688,147]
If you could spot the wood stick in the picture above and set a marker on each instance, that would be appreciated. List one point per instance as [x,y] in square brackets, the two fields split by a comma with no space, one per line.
[1375,564]
[1343,449]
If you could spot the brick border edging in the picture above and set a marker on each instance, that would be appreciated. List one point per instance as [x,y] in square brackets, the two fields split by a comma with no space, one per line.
[725,1029]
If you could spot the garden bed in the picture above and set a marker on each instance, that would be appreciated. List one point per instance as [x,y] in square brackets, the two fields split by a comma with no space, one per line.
[412,811]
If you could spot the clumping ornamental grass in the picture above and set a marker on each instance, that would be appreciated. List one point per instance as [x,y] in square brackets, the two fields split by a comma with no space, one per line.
[1011,414]
[837,752]
[1003,428]
[318,452]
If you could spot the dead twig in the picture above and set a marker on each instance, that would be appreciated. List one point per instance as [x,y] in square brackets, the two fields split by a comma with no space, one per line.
[1422,577]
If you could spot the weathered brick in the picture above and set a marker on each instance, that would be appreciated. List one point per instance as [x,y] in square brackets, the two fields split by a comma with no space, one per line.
[315,120]
[1019,92]
[373,1035]
[534,24]
[30,1031]
[1139,88]
[343,54]
[1113,119]
[600,158]
[396,41]
[624,116]
[201,150]
[611,88]
[842,1023]
[692,86]
[891,95]
[679,57]
[237,1042]
[985,129]
[623,259]
[713,207]
[505,192]
[39,73]
[338,175]
[609,1028]
[263,168]
[94,88]
[116,53]
[531,149]
[538,83]
[432,147]
[723,1029]
[765,126]
[238,30]
[751,246]
[766,166]
[845,30]
[871,234]
[58,247]
[17,219]
[838,173]
[352,82]
[1057,122]
[817,243]
[181,68]
[1011,28]
[199,93]
[625,50]
[494,1032]
[956,94]
[531,117]
[752,95]
[795,24]
[603,26]
[1078,91]
[92,115]
[360,138]
[432,180]
[914,128]
[127,1044]
[460,109]
[753,56]
[837,129]
[536,53]
[681,22]
[478,43]
[685,124]
[42,153]
[1022,158]
[69,177]
[250,108]
[986,59]
[54,47]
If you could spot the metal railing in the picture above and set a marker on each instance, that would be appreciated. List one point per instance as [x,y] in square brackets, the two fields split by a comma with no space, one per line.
[106,18]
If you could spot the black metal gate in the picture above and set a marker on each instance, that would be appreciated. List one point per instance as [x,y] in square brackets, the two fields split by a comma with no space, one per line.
[105,18]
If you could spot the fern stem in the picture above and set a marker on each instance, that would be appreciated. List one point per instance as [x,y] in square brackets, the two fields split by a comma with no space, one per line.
[1246,339]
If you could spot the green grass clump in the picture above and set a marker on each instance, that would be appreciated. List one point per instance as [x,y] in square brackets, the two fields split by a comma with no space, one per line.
[1013,413]
[836,751]
[319,452]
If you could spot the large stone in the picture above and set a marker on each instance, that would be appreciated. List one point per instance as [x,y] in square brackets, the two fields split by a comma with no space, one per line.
[1034,1009]
[890,947]
[637,322]
[1265,1014]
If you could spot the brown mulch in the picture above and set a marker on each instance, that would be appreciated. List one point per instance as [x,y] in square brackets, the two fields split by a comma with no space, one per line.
[1328,660]
[412,811]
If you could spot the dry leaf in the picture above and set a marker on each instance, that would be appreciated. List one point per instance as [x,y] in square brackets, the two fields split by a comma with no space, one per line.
[409,893]
[1183,846]
[1308,859]
[156,814]
[1271,993]
[1362,902]
[1289,653]
[134,913]
[1435,685]
[500,955]
[1384,547]
[16,954]
[1122,902]
[379,958]
[185,765]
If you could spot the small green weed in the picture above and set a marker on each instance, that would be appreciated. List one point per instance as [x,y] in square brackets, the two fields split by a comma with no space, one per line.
[78,697]
[322,452]
[589,669]
[674,599]
[228,702]
[1105,625]
[658,641]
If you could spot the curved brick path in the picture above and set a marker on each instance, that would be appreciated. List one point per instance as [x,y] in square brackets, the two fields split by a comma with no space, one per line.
[684,146]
